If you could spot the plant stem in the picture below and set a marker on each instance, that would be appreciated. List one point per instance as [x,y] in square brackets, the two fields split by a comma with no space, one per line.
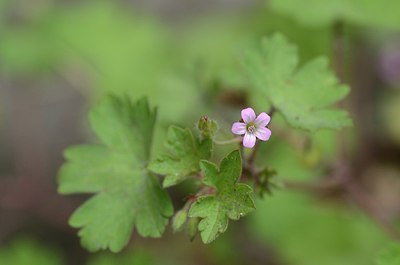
[338,49]
[339,65]
[252,156]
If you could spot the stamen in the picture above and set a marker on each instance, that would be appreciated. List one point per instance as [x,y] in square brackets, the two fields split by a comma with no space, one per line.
[251,129]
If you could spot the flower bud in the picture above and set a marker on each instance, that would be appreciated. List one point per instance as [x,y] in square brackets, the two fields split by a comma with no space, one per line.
[179,220]
[207,127]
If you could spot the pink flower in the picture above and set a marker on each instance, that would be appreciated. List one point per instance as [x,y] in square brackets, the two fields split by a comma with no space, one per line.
[253,127]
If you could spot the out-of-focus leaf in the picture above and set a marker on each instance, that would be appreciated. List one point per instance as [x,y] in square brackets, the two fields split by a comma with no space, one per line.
[389,256]
[306,232]
[212,44]
[26,50]
[375,13]
[26,251]
[126,53]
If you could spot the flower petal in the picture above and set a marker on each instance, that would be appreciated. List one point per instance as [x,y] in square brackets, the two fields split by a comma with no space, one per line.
[239,128]
[262,120]
[249,140]
[248,115]
[263,133]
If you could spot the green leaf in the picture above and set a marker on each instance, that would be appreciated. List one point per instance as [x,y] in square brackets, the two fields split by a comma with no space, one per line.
[375,13]
[127,195]
[231,201]
[184,153]
[389,256]
[303,95]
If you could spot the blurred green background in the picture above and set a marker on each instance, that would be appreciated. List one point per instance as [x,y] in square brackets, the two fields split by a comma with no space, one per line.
[58,57]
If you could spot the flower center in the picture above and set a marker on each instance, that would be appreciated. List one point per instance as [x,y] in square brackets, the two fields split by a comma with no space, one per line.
[251,129]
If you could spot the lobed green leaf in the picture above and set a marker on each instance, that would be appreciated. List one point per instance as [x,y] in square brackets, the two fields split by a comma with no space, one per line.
[126,194]
[184,153]
[231,201]
[304,95]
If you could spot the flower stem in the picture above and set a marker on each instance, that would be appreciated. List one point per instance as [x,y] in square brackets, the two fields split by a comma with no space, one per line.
[250,159]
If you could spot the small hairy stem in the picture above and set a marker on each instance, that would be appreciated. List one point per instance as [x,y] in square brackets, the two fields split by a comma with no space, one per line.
[191,199]
[272,111]
[241,150]
[252,157]
[225,142]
